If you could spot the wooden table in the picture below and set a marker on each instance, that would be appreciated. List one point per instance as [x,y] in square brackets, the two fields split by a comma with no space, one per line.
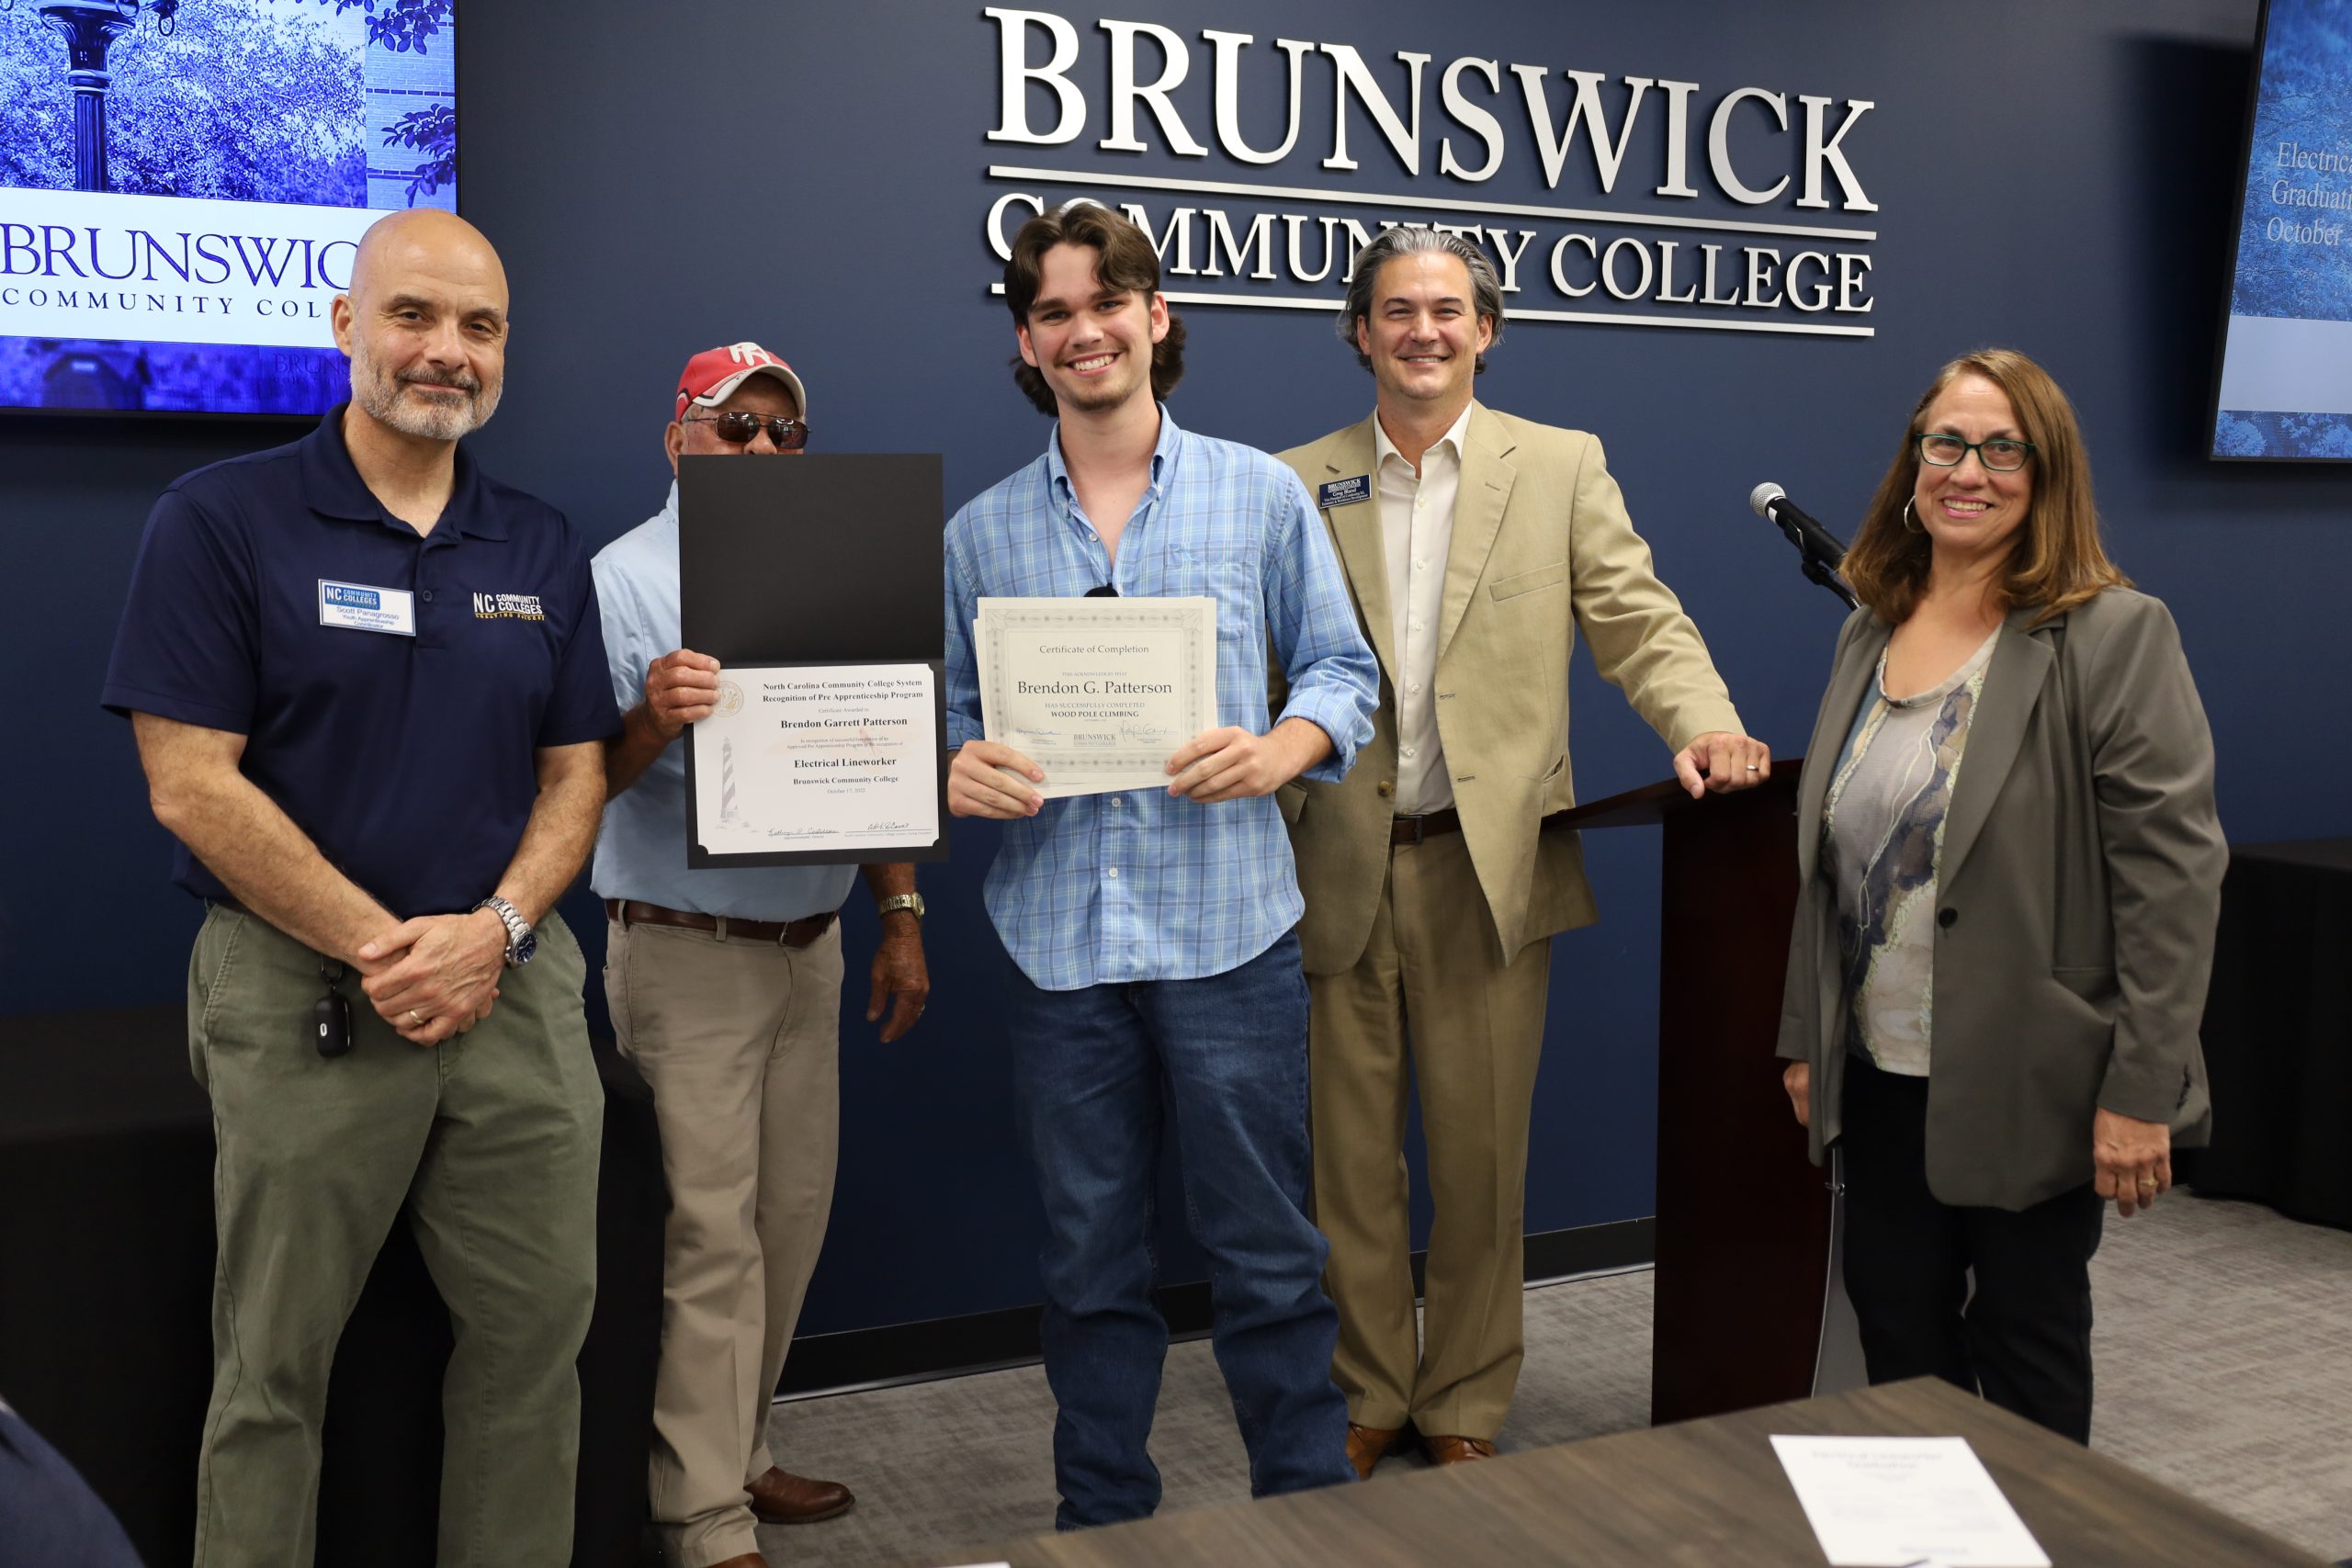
[1704,1493]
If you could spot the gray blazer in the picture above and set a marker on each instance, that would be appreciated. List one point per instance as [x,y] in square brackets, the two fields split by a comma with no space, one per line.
[2076,895]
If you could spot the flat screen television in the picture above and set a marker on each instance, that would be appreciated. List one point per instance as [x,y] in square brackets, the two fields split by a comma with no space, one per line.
[184,183]
[2283,388]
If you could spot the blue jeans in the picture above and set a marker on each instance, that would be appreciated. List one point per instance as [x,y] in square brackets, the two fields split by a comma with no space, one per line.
[1097,1074]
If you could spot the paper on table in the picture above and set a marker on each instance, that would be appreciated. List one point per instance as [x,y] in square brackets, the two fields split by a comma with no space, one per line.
[1905,1502]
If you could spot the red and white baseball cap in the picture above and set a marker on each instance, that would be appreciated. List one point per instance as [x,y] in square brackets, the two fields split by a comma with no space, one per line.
[711,376]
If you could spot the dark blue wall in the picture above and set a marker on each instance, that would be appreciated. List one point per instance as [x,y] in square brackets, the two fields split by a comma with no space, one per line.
[664,177]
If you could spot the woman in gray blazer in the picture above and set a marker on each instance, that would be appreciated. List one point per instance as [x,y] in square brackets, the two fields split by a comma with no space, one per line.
[2011,871]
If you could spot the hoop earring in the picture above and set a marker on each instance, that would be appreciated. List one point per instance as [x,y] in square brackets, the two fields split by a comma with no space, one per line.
[1909,524]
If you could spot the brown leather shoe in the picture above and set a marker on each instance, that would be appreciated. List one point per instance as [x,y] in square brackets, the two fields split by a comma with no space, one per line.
[1456,1450]
[1367,1446]
[780,1497]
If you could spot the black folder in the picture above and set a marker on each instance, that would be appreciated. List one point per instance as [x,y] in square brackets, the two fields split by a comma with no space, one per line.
[812,559]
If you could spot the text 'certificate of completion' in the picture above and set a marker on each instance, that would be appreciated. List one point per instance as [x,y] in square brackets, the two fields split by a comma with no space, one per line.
[814,759]
[1099,693]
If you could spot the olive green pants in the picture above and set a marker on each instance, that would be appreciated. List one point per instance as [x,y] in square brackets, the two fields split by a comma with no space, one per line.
[487,1146]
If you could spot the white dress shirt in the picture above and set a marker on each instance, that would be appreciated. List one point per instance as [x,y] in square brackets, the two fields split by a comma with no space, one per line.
[1417,527]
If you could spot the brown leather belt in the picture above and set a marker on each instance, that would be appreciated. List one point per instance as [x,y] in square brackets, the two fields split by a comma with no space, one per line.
[784,933]
[1413,829]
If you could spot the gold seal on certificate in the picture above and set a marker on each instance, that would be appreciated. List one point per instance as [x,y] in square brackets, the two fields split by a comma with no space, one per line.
[1099,693]
[810,759]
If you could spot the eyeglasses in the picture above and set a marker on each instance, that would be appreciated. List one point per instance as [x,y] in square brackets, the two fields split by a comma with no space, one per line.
[740,426]
[2002,457]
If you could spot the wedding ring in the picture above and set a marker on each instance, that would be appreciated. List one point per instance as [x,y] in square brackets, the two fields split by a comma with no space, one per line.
[417,1019]
[2148,1181]
[1754,769]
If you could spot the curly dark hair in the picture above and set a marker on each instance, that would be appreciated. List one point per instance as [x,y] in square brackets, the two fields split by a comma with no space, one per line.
[1127,262]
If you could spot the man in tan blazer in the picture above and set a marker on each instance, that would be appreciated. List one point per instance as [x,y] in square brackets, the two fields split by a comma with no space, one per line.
[1475,544]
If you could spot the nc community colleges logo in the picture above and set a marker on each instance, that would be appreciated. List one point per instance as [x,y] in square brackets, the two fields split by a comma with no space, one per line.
[1769,175]
[508,607]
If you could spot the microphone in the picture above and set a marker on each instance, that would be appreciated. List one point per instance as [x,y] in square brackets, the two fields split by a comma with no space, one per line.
[1772,503]
[1820,547]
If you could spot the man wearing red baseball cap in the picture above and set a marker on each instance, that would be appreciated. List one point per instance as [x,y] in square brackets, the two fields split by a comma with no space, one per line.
[725,988]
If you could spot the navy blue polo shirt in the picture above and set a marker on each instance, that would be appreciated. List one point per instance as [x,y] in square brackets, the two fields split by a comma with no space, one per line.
[398,733]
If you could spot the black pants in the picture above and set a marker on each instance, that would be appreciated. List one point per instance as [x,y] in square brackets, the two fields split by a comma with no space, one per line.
[2023,1337]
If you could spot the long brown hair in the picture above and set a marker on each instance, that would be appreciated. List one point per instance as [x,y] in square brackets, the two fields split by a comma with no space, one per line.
[2056,560]
[1125,262]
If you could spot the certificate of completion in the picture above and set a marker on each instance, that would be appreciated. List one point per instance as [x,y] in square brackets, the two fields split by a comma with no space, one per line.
[1097,692]
[816,763]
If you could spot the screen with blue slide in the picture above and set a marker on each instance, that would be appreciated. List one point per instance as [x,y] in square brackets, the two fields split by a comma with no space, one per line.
[2285,386]
[184,183]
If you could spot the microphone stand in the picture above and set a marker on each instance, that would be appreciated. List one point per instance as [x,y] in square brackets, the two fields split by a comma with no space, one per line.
[1820,573]
[1816,567]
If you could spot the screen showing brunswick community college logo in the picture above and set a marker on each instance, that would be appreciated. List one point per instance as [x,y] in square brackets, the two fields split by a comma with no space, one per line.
[184,183]
[1265,165]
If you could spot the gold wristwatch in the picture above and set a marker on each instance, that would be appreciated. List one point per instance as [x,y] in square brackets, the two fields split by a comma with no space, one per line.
[911,902]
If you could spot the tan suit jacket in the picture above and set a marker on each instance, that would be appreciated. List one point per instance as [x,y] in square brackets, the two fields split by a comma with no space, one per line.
[1542,545]
[2076,893]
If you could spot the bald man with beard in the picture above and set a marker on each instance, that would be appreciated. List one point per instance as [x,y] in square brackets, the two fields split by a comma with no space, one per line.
[367,683]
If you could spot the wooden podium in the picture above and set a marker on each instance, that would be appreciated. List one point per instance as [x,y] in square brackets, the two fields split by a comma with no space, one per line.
[1744,1220]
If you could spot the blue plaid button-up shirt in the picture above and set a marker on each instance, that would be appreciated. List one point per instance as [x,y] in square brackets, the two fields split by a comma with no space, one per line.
[1142,885]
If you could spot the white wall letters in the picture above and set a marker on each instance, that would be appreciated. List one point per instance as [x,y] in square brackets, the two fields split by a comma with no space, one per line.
[1582,139]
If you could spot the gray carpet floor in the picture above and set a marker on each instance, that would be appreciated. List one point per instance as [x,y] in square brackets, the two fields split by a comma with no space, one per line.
[2224,1355]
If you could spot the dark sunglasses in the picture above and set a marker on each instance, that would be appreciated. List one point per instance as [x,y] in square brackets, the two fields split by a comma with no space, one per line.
[740,426]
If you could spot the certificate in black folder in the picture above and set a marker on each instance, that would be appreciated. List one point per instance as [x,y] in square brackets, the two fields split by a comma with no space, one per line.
[815,581]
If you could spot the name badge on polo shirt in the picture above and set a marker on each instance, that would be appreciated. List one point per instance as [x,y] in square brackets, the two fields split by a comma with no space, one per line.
[354,606]
[1344,492]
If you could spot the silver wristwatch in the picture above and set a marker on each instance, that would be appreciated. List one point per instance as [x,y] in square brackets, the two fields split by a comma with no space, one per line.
[520,942]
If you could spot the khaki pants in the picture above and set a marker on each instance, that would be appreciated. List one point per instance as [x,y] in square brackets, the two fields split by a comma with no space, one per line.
[1427,984]
[739,1043]
[488,1146]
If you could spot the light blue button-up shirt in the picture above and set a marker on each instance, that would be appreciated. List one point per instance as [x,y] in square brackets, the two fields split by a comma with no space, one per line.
[641,853]
[1142,885]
